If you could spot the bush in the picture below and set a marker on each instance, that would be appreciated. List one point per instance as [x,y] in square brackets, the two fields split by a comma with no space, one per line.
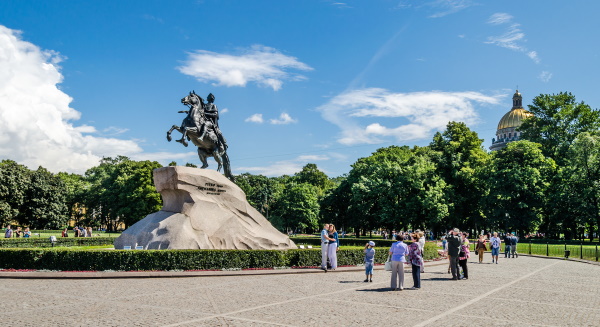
[60,241]
[127,260]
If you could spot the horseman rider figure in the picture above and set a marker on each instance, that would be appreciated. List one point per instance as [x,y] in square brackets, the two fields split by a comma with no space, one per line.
[212,113]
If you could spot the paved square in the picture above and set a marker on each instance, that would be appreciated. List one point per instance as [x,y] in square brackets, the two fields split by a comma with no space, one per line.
[527,291]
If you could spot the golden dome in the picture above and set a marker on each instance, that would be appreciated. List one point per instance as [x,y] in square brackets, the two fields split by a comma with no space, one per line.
[513,118]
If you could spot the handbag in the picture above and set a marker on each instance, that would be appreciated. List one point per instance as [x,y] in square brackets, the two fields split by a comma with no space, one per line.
[388,264]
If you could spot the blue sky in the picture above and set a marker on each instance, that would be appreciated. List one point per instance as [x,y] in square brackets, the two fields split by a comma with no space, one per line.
[325,82]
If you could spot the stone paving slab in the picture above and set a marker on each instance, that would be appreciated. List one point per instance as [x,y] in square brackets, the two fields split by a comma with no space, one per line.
[527,291]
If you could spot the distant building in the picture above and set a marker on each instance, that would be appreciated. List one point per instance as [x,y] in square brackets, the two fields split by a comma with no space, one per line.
[507,127]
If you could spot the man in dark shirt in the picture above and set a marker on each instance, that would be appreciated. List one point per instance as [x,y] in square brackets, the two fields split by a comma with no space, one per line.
[507,245]
[513,248]
[453,239]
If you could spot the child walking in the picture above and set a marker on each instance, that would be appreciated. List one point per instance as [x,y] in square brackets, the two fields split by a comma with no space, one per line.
[369,260]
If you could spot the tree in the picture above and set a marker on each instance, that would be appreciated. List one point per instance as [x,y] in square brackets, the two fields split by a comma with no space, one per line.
[518,177]
[135,191]
[76,188]
[310,174]
[461,156]
[14,182]
[45,203]
[395,188]
[584,174]
[557,120]
[261,191]
[298,207]
[122,190]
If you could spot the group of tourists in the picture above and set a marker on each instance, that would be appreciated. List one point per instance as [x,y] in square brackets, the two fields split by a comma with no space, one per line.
[78,231]
[330,244]
[9,232]
[456,245]
[401,254]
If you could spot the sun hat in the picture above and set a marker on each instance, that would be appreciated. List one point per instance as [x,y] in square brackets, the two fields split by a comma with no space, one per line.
[371,243]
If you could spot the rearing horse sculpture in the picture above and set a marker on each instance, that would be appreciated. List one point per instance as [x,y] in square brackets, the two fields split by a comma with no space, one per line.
[208,143]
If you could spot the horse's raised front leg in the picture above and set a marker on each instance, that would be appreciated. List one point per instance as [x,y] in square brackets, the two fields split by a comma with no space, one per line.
[170,131]
[183,135]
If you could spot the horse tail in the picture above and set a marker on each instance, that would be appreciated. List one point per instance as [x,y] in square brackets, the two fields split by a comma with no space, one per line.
[227,167]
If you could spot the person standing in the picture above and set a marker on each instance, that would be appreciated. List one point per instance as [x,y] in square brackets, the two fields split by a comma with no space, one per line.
[27,233]
[9,232]
[507,245]
[464,254]
[454,243]
[495,246]
[415,257]
[398,252]
[369,260]
[65,233]
[480,247]
[324,246]
[421,236]
[513,249]
[334,246]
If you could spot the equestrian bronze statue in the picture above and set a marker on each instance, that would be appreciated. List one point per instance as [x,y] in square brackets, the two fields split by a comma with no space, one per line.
[201,127]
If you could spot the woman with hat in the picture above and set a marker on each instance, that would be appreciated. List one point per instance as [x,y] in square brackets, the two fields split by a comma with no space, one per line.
[369,260]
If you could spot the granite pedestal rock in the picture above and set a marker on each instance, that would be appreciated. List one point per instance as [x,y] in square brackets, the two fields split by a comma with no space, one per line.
[202,210]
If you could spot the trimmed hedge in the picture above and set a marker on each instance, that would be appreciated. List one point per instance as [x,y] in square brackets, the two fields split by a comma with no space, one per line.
[127,260]
[60,241]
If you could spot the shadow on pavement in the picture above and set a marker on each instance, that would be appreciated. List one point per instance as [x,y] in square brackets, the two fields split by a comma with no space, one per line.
[384,289]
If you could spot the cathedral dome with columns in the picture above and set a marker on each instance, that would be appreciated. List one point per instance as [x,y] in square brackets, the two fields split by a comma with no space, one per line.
[507,127]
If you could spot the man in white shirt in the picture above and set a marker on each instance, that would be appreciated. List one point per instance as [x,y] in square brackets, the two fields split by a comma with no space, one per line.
[324,246]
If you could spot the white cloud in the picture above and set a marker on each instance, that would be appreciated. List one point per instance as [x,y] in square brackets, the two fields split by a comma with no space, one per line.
[36,122]
[374,115]
[512,37]
[447,7]
[259,64]
[534,56]
[256,118]
[224,110]
[284,167]
[283,119]
[113,130]
[499,18]
[545,76]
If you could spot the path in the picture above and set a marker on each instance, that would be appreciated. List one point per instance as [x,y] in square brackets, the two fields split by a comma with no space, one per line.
[527,291]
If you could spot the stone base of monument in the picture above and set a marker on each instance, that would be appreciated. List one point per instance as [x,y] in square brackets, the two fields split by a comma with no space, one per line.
[202,210]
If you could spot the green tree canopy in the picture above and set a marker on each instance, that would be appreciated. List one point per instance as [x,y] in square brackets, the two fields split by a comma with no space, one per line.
[518,178]
[45,204]
[14,183]
[460,157]
[298,207]
[557,120]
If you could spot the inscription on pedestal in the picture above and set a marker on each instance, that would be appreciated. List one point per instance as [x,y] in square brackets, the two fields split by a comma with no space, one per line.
[212,189]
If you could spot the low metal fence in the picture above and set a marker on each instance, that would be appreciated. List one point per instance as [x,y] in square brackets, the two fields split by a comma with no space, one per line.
[584,251]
